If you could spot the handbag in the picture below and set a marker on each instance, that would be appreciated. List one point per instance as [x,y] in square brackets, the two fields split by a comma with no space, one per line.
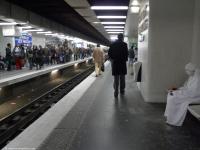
[102,67]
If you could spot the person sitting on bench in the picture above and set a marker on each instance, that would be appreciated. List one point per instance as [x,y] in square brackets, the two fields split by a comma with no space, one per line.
[179,99]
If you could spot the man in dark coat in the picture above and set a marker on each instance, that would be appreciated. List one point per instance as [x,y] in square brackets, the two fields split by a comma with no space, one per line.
[118,54]
[8,56]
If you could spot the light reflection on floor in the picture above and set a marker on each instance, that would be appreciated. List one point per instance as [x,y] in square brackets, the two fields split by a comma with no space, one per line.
[22,99]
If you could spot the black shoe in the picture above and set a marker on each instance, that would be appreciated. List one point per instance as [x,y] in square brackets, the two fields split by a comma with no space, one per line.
[122,92]
[115,94]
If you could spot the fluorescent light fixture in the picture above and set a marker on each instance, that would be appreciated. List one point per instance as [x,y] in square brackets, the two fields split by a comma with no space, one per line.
[7,23]
[109,7]
[114,27]
[53,34]
[96,22]
[47,32]
[111,17]
[27,27]
[113,37]
[135,9]
[23,23]
[114,30]
[135,3]
[33,30]
[113,22]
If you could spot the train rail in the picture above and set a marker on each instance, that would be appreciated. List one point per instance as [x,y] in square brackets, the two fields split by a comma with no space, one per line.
[16,122]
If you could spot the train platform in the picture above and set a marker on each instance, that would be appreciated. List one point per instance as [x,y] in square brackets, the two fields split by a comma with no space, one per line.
[90,118]
[15,76]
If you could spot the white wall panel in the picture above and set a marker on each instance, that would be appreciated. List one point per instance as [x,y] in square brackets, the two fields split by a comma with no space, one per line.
[196,35]
[170,47]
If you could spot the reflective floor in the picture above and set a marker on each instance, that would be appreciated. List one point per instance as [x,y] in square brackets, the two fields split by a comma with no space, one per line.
[100,122]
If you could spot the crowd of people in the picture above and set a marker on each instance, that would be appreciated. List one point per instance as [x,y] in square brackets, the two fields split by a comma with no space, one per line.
[38,56]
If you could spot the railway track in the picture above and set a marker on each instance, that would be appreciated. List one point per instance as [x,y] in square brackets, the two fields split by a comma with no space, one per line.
[16,122]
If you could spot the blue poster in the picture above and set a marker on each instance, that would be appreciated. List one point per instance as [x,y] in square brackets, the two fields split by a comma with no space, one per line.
[25,39]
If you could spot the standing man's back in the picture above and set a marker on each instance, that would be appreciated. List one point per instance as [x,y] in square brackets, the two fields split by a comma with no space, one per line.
[118,53]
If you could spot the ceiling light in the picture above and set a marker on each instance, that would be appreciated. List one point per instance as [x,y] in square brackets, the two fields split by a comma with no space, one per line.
[34,30]
[47,32]
[114,27]
[111,17]
[96,22]
[114,30]
[109,7]
[23,23]
[27,27]
[7,23]
[135,9]
[53,34]
[113,22]
[135,3]
[113,37]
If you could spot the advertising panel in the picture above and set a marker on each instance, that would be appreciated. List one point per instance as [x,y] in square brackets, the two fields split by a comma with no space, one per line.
[25,39]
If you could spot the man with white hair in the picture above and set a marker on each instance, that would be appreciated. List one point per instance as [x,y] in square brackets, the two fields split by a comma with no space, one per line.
[178,100]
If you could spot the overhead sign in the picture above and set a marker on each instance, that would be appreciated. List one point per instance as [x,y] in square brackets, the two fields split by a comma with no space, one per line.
[25,39]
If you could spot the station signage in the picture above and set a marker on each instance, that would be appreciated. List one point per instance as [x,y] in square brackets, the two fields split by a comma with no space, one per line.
[25,39]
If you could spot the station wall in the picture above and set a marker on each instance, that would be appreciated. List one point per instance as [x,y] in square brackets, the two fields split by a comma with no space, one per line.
[196,35]
[4,41]
[169,47]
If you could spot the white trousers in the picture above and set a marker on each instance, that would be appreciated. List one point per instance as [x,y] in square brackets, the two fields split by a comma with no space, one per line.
[97,68]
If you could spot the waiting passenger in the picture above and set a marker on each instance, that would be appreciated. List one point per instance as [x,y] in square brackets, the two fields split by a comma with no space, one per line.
[8,57]
[178,100]
[2,62]
[17,53]
[98,56]
[30,57]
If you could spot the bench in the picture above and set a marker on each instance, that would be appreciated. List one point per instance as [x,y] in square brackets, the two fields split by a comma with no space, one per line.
[194,109]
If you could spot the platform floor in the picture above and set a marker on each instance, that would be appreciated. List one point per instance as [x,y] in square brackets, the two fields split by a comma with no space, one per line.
[7,74]
[100,122]
[15,76]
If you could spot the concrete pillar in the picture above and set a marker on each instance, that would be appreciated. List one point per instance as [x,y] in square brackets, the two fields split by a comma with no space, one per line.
[167,47]
[196,35]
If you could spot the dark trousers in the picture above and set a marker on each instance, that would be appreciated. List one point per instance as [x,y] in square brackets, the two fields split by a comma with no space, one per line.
[30,61]
[119,80]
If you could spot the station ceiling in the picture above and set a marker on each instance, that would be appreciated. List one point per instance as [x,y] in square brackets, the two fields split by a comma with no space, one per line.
[60,11]
[110,12]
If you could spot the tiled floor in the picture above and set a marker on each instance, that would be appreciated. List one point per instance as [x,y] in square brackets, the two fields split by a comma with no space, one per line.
[101,122]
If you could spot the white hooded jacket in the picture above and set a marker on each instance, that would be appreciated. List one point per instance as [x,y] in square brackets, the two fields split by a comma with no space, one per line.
[178,101]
